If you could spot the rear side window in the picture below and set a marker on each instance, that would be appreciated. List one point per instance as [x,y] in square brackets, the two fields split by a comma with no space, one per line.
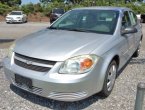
[133,18]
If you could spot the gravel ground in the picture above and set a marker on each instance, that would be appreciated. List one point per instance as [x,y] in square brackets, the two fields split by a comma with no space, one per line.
[122,97]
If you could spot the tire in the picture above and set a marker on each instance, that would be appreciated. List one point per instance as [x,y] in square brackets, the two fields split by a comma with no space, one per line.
[137,52]
[109,80]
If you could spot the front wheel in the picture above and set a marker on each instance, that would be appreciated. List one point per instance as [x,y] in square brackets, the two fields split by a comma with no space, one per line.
[109,79]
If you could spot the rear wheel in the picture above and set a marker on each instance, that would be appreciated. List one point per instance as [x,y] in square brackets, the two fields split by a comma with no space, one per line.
[109,79]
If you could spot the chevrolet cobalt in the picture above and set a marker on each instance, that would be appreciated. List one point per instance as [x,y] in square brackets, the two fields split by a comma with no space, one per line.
[79,55]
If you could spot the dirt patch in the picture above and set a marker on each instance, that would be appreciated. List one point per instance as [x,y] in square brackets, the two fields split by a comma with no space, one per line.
[38,17]
[2,18]
[5,45]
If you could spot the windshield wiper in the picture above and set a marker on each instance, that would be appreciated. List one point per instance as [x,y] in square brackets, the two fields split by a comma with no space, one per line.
[82,30]
[78,30]
[69,29]
[57,28]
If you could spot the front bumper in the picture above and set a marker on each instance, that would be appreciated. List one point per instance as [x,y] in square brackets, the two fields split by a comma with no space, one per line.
[14,20]
[56,86]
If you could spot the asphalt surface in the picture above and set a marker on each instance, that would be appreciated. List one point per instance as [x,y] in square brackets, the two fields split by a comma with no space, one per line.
[121,98]
[13,31]
[10,32]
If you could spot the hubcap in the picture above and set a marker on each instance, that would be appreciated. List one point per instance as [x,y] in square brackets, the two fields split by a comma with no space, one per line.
[111,77]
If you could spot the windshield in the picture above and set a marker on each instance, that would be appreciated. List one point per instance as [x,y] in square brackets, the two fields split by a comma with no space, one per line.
[98,21]
[15,13]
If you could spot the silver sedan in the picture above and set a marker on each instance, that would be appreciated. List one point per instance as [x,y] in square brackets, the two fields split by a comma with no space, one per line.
[79,55]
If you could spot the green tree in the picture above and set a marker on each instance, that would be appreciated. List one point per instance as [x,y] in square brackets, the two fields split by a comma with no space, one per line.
[28,8]
[47,1]
[76,1]
[11,2]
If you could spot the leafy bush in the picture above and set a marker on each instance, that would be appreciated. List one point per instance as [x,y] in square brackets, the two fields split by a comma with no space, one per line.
[28,8]
[38,8]
[4,9]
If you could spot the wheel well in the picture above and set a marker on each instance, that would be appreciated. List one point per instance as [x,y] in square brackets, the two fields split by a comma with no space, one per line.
[117,59]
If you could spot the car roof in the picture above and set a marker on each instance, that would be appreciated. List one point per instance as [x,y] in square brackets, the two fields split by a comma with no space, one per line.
[105,8]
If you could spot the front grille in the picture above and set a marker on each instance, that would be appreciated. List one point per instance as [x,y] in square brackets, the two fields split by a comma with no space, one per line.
[35,59]
[35,90]
[31,67]
[67,96]
[33,63]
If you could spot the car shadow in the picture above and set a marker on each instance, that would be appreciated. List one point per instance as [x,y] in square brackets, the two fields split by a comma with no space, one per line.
[17,23]
[5,40]
[131,61]
[137,61]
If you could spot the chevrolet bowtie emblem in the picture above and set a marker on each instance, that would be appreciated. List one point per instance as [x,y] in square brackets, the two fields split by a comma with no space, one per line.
[29,62]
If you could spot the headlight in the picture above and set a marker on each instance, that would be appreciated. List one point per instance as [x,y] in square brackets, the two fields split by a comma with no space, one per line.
[10,51]
[79,64]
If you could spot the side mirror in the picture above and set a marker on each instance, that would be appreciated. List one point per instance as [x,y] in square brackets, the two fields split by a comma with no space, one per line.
[128,30]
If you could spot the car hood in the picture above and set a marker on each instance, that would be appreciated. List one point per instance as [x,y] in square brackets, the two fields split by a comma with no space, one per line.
[14,16]
[59,45]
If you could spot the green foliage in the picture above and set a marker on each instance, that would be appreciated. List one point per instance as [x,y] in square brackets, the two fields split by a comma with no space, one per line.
[11,2]
[4,9]
[38,8]
[28,8]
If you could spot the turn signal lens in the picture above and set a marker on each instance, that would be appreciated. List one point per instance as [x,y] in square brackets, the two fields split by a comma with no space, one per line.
[87,63]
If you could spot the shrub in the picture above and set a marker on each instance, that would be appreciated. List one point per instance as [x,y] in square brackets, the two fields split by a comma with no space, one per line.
[4,9]
[28,8]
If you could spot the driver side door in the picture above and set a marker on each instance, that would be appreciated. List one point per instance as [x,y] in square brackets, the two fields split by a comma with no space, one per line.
[130,38]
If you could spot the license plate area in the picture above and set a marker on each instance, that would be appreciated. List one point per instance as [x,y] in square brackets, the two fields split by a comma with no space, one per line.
[23,81]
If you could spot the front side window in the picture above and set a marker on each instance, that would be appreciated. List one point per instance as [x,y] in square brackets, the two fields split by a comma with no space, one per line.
[126,20]
[98,21]
[133,18]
